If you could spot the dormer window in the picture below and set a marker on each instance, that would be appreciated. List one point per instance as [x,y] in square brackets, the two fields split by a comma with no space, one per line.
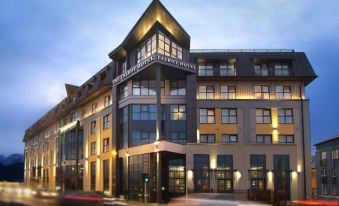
[227,69]
[261,70]
[281,70]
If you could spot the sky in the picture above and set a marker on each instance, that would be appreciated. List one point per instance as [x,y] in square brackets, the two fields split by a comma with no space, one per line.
[45,44]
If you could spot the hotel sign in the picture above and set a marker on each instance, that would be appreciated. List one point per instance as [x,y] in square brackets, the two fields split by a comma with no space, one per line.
[155,58]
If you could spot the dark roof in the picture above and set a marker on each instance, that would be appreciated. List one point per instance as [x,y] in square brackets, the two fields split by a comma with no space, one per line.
[83,94]
[301,69]
[155,12]
[334,138]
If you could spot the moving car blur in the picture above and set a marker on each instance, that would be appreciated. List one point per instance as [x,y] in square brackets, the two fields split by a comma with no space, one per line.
[11,193]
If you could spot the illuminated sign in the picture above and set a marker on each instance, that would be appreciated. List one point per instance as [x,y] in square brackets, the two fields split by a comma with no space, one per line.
[156,58]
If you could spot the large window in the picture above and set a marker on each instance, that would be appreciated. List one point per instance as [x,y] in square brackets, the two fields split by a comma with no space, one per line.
[285,116]
[283,92]
[106,175]
[261,92]
[144,112]
[207,138]
[281,70]
[176,176]
[206,116]
[258,172]
[146,88]
[229,138]
[205,70]
[176,51]
[263,116]
[177,112]
[224,173]
[261,70]
[146,49]
[105,145]
[93,148]
[137,165]
[266,139]
[227,92]
[206,92]
[286,139]
[106,121]
[229,116]
[282,179]
[178,137]
[178,87]
[164,45]
[93,175]
[124,91]
[201,173]
[93,127]
[144,137]
[227,70]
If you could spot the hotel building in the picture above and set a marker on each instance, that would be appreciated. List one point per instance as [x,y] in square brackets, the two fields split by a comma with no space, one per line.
[161,120]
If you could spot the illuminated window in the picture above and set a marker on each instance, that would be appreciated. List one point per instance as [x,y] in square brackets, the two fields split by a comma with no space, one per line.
[285,116]
[263,116]
[93,148]
[227,92]
[107,100]
[94,108]
[206,92]
[281,70]
[229,116]
[286,139]
[207,138]
[258,172]
[206,116]
[176,51]
[261,70]
[227,70]
[178,87]
[261,92]
[178,112]
[283,92]
[229,138]
[105,145]
[335,154]
[93,127]
[267,139]
[205,70]
[164,45]
[106,121]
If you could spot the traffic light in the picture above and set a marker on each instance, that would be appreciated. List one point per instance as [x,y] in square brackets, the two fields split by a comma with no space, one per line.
[145,177]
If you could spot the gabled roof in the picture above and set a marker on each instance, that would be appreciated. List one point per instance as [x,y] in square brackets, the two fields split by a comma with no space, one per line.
[156,12]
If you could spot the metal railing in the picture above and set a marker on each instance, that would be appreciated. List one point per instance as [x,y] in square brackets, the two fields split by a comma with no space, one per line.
[242,50]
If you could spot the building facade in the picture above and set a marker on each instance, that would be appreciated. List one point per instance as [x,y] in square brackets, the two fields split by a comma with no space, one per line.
[161,120]
[326,163]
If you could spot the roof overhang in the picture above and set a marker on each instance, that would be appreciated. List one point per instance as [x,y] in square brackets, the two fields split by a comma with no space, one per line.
[156,12]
